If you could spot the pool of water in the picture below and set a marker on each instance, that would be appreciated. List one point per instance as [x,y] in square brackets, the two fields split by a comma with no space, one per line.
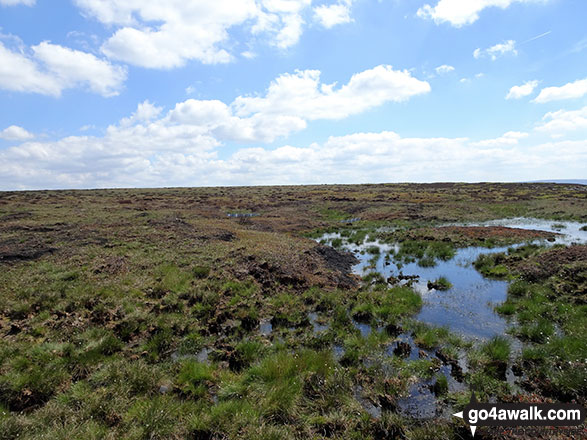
[467,308]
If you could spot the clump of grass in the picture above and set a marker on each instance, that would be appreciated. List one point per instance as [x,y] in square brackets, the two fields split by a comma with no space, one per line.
[248,352]
[506,308]
[441,283]
[427,261]
[362,312]
[173,279]
[497,349]
[518,288]
[491,265]
[156,418]
[358,237]
[277,383]
[538,332]
[336,243]
[558,226]
[373,250]
[440,385]
[195,378]
[429,337]
[487,385]
[387,305]
[34,376]
[374,278]
[201,271]
[160,343]
[239,290]
[424,252]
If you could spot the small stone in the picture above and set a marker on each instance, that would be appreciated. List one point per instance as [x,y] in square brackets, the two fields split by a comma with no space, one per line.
[163,389]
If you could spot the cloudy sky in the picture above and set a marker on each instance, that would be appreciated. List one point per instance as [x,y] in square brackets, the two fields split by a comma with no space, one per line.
[151,93]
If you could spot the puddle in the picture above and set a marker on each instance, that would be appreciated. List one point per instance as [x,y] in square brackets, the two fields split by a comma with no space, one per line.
[374,411]
[365,329]
[315,321]
[201,356]
[338,351]
[241,215]
[265,327]
[467,308]
[570,232]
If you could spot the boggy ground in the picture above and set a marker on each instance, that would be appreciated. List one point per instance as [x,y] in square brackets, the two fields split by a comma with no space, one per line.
[151,314]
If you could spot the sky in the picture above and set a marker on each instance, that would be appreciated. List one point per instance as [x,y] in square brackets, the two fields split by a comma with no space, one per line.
[149,93]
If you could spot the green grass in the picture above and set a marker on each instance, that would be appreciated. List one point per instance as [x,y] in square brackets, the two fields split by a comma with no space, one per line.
[497,349]
[429,337]
[100,337]
[490,265]
[426,253]
[201,271]
[441,283]
[441,385]
[195,379]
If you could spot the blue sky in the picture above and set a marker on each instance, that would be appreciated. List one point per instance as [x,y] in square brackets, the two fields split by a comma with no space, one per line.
[108,93]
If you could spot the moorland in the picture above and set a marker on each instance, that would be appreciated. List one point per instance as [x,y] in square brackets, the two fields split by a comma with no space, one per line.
[153,314]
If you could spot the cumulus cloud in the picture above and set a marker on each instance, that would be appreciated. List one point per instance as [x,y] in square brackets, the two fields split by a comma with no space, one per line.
[576,89]
[166,35]
[22,74]
[462,12]
[563,121]
[17,2]
[499,50]
[510,138]
[445,68]
[331,15]
[137,159]
[52,68]
[517,92]
[289,102]
[15,133]
[302,95]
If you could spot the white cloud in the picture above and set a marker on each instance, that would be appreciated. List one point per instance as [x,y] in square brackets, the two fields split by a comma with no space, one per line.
[510,138]
[331,15]
[563,121]
[289,102]
[146,111]
[21,74]
[15,133]
[301,94]
[17,2]
[148,145]
[52,68]
[248,54]
[494,52]
[517,92]
[445,68]
[74,68]
[571,90]
[463,12]
[166,35]
[136,158]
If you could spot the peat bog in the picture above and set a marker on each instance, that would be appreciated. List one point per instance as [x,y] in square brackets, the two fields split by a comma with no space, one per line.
[345,311]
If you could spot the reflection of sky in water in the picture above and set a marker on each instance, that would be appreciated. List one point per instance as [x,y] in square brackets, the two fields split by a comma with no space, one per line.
[466,308]
[571,233]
